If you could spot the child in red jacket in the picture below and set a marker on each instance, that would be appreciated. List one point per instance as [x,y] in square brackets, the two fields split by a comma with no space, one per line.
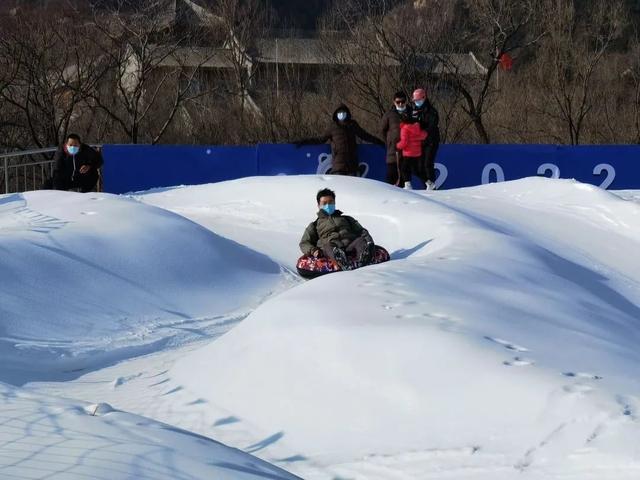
[410,148]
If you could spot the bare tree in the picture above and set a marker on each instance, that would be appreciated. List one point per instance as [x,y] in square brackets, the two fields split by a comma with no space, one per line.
[632,75]
[571,54]
[150,68]
[375,53]
[50,73]
[244,23]
[498,27]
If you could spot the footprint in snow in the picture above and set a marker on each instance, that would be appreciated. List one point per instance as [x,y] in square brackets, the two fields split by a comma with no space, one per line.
[507,345]
[518,362]
[396,293]
[392,305]
[412,315]
[173,390]
[587,376]
[226,421]
[432,316]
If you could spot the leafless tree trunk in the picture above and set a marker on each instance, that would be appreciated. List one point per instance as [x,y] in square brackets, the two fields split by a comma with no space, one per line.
[50,73]
[497,27]
[571,54]
[244,23]
[373,52]
[151,67]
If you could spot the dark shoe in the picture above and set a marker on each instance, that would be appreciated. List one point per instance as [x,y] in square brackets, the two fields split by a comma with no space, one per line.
[341,258]
[367,254]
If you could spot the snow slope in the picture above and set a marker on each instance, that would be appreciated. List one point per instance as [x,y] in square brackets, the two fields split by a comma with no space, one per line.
[514,321]
[43,437]
[98,277]
[500,341]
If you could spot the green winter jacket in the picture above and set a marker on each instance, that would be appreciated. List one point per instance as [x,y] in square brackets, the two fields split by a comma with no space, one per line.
[337,230]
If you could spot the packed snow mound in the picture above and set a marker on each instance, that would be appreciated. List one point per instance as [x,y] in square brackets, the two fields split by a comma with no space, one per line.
[269,214]
[57,438]
[84,275]
[486,331]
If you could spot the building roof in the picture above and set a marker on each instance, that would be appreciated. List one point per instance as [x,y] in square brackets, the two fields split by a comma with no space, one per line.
[465,64]
[315,51]
[192,57]
[308,51]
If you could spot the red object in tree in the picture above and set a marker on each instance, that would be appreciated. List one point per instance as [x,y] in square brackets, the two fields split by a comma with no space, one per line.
[505,61]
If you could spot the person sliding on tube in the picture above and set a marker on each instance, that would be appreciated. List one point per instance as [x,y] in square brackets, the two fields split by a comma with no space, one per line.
[335,235]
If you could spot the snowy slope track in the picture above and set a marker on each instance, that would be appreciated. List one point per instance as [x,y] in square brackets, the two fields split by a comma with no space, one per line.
[43,437]
[500,342]
[510,329]
[93,278]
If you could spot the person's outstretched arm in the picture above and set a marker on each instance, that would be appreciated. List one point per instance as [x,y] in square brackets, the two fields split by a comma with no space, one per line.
[366,136]
[314,140]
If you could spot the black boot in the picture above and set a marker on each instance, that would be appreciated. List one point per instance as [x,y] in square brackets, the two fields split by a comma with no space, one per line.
[341,258]
[367,254]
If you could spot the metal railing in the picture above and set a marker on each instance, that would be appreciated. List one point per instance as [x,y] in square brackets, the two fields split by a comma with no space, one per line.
[22,171]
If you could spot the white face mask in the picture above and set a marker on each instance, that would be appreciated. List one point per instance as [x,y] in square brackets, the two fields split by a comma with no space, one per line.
[342,116]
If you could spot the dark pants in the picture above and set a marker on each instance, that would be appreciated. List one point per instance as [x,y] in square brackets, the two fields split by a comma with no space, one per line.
[342,172]
[392,174]
[84,182]
[429,160]
[412,166]
[358,246]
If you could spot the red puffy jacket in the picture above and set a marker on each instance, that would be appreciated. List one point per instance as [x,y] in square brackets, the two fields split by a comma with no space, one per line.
[411,138]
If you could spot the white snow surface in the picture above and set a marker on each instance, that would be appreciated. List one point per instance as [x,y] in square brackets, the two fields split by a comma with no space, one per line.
[499,342]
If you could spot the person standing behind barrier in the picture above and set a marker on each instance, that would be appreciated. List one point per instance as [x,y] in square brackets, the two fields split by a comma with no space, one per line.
[411,143]
[76,165]
[342,133]
[390,128]
[425,113]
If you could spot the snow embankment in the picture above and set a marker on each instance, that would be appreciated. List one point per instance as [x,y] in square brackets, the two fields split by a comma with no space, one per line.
[89,279]
[44,437]
[489,331]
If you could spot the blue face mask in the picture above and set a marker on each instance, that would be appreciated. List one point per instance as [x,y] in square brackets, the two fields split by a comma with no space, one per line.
[419,103]
[73,150]
[329,208]
[342,116]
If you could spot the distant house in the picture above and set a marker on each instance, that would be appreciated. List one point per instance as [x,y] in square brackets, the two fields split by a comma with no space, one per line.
[267,63]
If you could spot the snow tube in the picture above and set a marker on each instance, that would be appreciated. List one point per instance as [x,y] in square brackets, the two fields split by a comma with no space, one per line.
[310,267]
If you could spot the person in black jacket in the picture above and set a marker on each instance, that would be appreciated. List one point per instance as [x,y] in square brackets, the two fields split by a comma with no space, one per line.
[390,128]
[425,113]
[76,165]
[342,133]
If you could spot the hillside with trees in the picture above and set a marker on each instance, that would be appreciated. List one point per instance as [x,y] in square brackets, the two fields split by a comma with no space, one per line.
[245,71]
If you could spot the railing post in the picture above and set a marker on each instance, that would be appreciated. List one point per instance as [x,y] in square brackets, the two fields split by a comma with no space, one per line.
[6,175]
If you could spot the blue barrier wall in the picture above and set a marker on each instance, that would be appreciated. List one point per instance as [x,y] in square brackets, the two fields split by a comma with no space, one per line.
[130,168]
